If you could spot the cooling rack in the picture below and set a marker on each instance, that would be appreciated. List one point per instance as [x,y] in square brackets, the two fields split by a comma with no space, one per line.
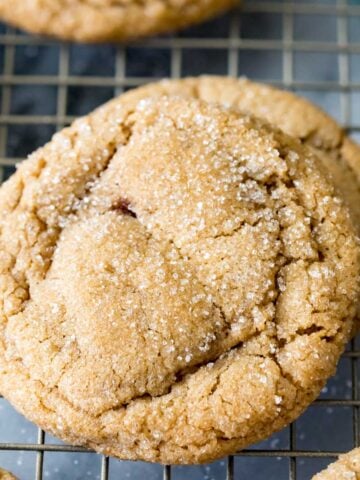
[310,48]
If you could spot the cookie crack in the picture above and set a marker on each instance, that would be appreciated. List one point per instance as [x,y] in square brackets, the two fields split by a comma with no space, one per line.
[123,206]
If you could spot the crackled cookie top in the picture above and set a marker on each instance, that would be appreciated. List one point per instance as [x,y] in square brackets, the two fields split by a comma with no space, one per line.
[108,20]
[178,281]
[347,467]
[339,154]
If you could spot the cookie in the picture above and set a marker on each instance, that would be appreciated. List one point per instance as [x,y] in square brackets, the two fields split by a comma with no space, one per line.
[347,467]
[108,20]
[4,475]
[178,280]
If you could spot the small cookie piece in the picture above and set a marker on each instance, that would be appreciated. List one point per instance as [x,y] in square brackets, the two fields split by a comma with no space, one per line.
[347,467]
[177,281]
[4,475]
[108,20]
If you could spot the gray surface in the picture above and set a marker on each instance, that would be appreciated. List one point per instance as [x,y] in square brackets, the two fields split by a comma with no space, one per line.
[50,93]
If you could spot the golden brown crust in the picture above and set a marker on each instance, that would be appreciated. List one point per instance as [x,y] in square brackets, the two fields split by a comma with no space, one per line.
[5,475]
[347,467]
[178,280]
[108,20]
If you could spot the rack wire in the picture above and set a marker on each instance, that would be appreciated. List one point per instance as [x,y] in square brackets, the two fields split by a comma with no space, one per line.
[233,45]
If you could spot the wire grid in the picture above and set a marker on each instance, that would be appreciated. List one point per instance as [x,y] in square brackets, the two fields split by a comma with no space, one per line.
[287,46]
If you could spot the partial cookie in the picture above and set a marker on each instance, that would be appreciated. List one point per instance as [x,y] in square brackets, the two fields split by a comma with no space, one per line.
[294,115]
[177,281]
[108,20]
[347,467]
[4,475]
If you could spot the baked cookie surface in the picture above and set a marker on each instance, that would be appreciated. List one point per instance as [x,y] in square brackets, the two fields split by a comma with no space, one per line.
[177,280]
[296,116]
[347,467]
[293,114]
[108,20]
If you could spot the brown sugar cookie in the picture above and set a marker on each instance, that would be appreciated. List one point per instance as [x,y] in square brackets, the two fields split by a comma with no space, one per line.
[347,467]
[177,280]
[108,20]
[4,475]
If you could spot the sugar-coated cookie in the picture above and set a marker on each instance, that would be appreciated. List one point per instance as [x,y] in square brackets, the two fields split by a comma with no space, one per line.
[178,280]
[347,467]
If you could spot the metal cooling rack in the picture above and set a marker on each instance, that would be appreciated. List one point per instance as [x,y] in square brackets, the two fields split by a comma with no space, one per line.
[311,48]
